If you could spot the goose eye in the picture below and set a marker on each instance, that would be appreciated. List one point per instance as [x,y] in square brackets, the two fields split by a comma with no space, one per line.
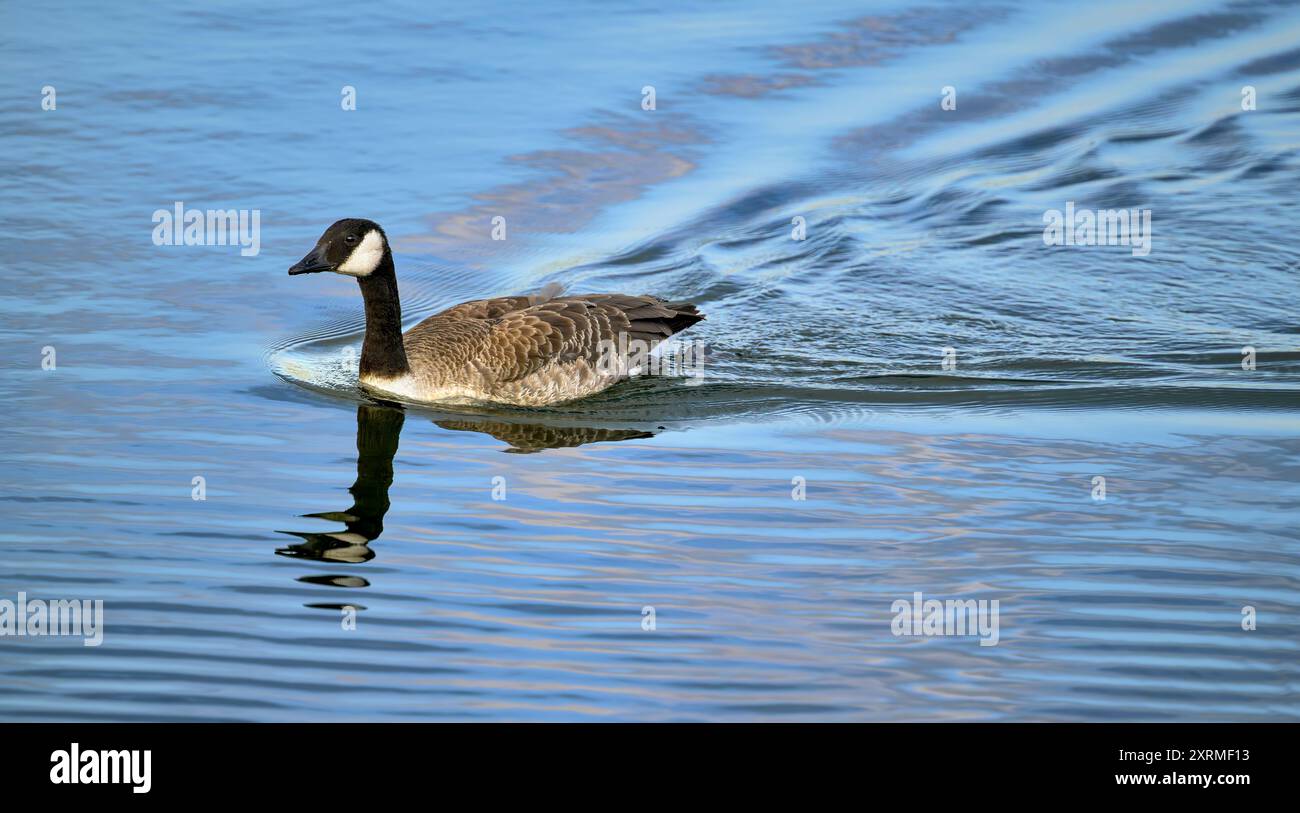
[350,239]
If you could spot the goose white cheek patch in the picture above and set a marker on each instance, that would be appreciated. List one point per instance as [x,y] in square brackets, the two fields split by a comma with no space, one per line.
[365,258]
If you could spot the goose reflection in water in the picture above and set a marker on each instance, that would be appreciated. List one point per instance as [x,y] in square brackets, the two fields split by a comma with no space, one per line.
[379,427]
[378,430]
[526,438]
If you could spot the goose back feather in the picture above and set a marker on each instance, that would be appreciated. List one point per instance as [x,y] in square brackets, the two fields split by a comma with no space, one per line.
[520,351]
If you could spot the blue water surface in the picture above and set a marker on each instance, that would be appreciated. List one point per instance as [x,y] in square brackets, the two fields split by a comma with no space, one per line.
[505,564]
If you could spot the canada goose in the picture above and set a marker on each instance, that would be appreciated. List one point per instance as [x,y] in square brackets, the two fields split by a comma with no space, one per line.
[519,350]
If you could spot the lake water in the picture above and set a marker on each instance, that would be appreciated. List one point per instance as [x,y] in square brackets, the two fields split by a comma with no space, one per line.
[828,464]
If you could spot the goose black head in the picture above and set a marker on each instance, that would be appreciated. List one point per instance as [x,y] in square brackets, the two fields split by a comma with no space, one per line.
[353,247]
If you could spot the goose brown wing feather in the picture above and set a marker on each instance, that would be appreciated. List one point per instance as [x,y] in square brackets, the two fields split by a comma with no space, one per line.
[571,329]
[561,331]
[486,308]
[509,338]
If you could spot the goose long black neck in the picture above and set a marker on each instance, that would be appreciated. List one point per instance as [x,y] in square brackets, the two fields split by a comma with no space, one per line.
[382,353]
